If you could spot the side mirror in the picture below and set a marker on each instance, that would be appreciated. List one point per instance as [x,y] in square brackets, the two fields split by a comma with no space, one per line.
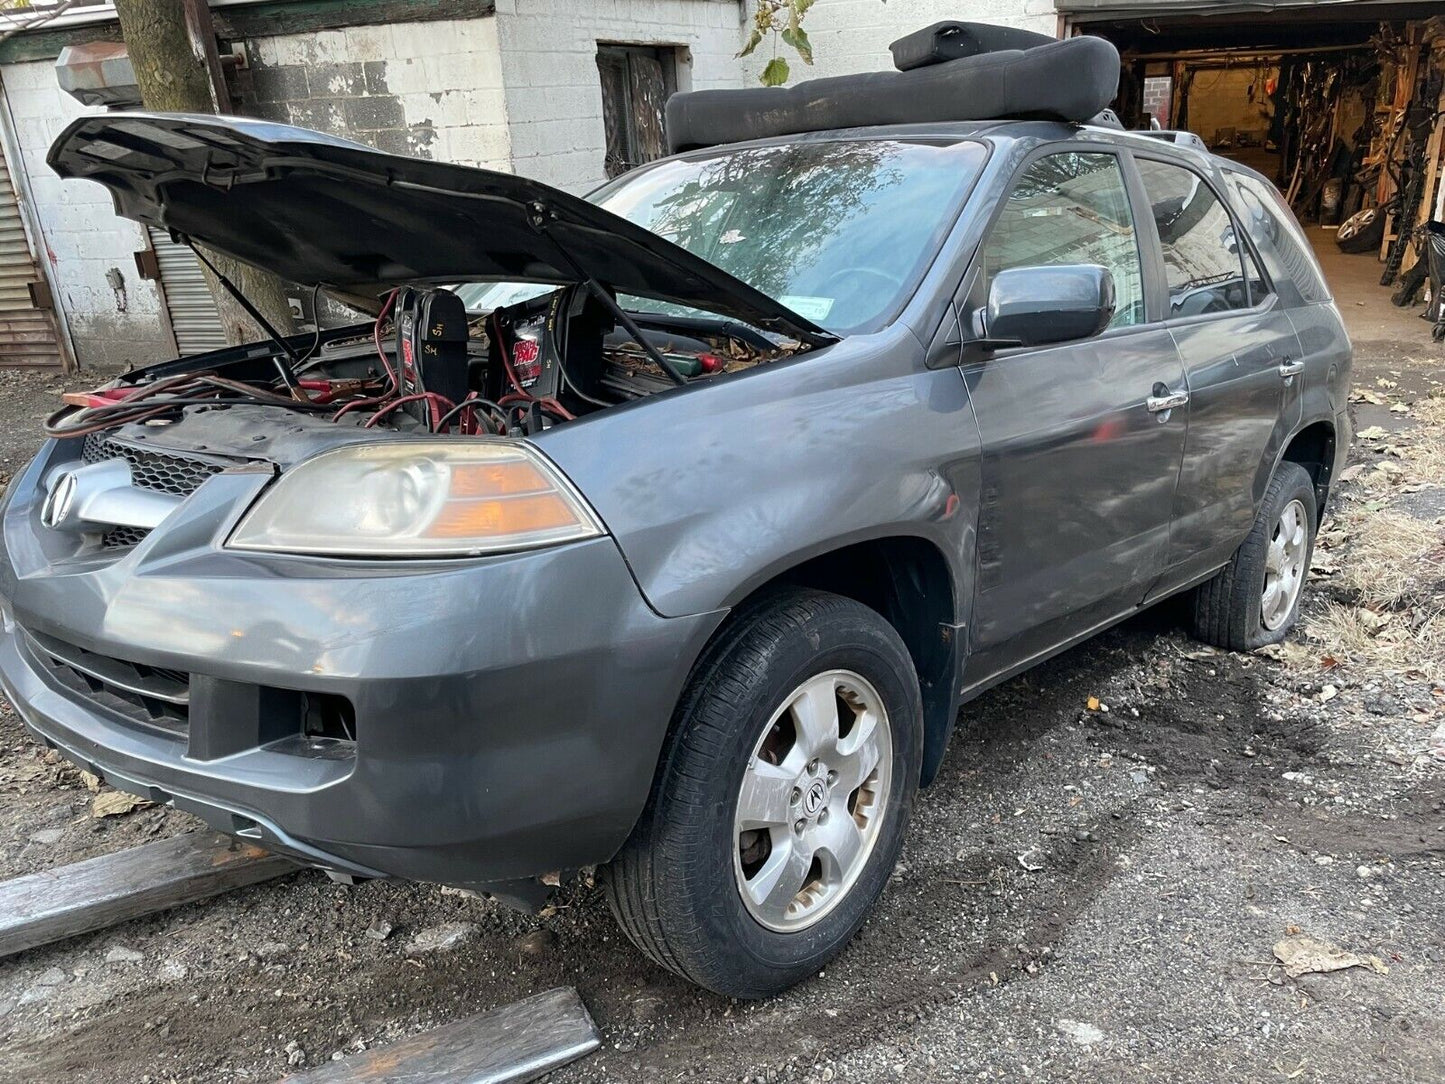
[1036,306]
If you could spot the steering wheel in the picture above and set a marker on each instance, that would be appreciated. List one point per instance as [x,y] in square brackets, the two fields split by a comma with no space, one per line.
[894,282]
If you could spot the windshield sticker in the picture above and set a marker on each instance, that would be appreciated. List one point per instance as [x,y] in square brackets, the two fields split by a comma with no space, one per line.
[815,309]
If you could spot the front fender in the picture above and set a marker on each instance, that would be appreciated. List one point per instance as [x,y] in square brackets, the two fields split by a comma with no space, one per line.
[713,490]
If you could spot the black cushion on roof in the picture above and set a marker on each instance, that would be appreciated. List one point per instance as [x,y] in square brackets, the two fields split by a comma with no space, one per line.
[952,40]
[1070,80]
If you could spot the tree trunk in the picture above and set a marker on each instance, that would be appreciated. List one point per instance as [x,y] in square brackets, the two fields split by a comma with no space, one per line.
[173,79]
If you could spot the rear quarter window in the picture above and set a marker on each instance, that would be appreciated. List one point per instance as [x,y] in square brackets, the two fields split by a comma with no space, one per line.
[1274,231]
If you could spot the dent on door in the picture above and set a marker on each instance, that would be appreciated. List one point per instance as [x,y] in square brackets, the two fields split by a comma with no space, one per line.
[1240,370]
[1078,480]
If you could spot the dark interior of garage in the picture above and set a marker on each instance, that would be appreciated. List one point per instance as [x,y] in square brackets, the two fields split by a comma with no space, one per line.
[1339,104]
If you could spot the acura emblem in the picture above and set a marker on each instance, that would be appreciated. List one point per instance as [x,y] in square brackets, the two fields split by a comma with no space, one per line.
[58,501]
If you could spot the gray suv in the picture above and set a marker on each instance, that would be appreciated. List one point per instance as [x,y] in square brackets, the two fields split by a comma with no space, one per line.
[676,553]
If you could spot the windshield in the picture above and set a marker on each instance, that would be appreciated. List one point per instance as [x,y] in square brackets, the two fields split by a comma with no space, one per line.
[839,232]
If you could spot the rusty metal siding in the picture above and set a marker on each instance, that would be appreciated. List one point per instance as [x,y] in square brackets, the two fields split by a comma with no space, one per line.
[192,310]
[27,333]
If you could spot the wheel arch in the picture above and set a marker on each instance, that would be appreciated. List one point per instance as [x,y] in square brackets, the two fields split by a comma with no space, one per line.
[1313,448]
[909,582]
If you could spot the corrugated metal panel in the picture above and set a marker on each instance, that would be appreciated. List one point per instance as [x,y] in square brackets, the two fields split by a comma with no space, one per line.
[27,334]
[194,319]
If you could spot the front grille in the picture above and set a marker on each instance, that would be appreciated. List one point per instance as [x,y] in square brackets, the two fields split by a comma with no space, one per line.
[123,536]
[148,696]
[163,472]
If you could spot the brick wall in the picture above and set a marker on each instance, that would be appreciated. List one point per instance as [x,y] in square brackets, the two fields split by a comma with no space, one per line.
[83,236]
[1157,94]
[553,90]
[853,35]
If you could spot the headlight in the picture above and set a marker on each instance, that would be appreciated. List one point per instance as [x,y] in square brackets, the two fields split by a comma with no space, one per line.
[417,499]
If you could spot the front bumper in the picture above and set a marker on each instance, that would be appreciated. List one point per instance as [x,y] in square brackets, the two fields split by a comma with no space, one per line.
[508,711]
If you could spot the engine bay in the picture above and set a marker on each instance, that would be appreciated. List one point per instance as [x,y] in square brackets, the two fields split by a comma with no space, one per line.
[427,365]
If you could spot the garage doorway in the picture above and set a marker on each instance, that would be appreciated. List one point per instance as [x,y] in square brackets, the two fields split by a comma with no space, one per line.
[1338,104]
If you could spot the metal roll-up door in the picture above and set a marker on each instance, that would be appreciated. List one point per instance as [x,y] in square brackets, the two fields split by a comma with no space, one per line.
[192,309]
[27,332]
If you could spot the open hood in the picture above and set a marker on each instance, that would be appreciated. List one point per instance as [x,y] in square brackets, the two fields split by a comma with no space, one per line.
[317,209]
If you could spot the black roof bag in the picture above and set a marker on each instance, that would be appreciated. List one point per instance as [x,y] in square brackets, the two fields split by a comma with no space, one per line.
[1070,80]
[952,40]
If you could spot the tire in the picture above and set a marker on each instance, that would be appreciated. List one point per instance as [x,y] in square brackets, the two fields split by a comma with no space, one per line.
[1230,610]
[1363,231]
[677,887]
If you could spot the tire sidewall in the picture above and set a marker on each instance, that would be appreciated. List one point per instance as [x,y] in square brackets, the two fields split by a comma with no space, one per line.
[1290,483]
[854,643]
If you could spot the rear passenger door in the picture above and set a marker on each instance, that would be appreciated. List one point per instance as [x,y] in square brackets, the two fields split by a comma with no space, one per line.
[1080,456]
[1239,351]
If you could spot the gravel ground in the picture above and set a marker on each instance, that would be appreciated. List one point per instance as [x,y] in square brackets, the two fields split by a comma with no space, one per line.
[1088,893]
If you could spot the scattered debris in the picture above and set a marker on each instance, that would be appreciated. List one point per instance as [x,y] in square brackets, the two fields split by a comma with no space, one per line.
[119,954]
[1302,954]
[379,930]
[441,938]
[536,943]
[1080,1032]
[1031,860]
[115,803]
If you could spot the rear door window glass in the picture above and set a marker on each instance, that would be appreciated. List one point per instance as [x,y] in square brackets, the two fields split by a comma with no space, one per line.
[1202,261]
[1275,232]
[1072,208]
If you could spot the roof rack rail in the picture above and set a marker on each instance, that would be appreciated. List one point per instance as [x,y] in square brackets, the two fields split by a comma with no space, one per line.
[1176,136]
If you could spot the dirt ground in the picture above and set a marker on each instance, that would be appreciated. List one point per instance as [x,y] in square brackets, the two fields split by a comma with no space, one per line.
[1088,893]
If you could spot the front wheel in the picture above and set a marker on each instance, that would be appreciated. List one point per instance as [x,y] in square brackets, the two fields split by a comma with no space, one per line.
[1254,600]
[781,801]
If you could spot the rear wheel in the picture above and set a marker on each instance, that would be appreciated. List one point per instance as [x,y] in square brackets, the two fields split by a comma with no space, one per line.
[782,799]
[1254,600]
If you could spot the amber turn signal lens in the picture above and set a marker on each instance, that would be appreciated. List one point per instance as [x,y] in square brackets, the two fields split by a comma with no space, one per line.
[508,516]
[496,480]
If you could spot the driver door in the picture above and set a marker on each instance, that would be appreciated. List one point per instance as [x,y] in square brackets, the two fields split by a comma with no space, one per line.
[1078,465]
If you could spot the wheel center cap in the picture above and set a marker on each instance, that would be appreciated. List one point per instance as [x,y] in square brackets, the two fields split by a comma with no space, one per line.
[815,797]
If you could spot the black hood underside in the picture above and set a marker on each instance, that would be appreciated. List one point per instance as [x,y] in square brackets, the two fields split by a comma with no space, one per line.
[320,210]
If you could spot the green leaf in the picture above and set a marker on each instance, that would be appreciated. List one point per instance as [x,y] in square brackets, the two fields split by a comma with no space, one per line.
[776,73]
[799,41]
[754,40]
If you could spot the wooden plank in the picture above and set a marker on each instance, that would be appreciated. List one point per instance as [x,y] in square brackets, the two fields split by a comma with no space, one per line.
[507,1045]
[86,896]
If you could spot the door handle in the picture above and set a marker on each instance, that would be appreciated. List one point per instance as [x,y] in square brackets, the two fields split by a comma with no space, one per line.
[1157,404]
[1289,368]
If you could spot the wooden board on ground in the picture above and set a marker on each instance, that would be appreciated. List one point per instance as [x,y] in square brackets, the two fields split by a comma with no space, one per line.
[58,903]
[507,1045]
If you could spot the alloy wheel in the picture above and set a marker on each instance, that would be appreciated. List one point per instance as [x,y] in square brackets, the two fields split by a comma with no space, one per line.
[812,801]
[1284,565]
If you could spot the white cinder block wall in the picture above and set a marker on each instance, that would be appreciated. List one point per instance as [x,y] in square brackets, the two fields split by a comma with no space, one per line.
[554,92]
[83,237]
[517,91]
[430,89]
[853,35]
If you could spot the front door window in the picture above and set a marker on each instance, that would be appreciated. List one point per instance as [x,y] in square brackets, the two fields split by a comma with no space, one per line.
[1072,208]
